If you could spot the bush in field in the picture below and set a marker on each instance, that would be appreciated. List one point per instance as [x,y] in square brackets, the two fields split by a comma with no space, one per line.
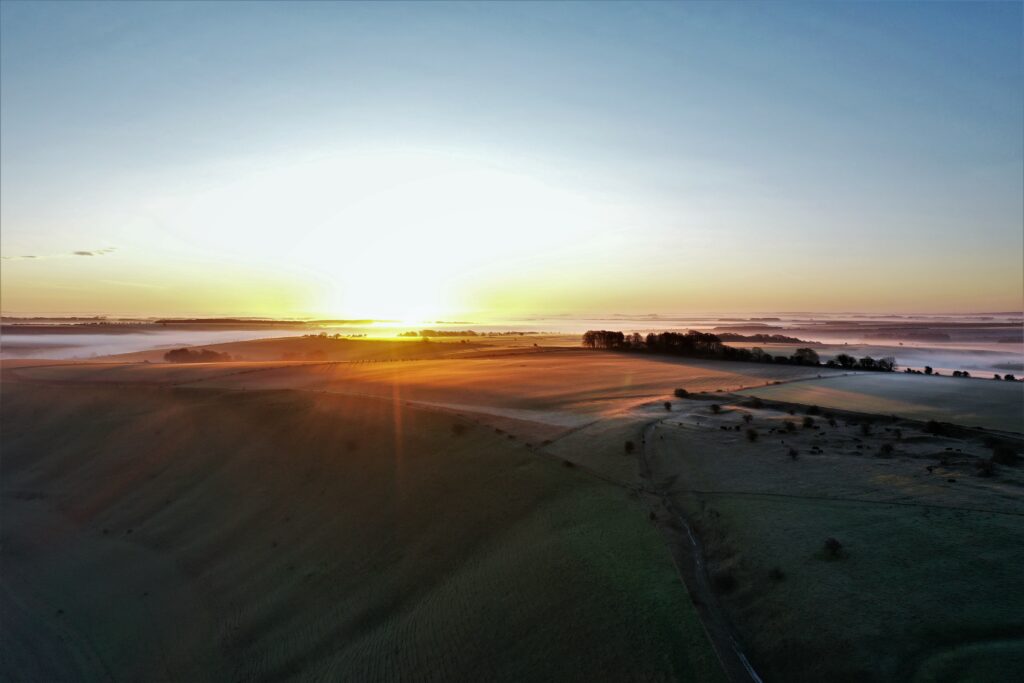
[681,393]
[747,417]
[832,422]
[724,582]
[751,435]
[865,428]
[668,405]
[630,446]
[833,548]
[790,426]
[715,408]
[808,422]
[937,428]
[1004,455]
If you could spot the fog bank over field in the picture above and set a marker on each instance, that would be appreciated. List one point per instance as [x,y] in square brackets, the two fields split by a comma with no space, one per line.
[987,343]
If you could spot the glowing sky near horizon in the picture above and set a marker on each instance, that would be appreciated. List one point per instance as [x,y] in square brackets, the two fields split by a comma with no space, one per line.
[430,160]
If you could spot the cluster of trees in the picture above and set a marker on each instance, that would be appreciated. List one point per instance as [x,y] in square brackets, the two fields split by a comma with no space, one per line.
[195,356]
[956,373]
[705,345]
[439,333]
[848,362]
[761,338]
[339,335]
[461,333]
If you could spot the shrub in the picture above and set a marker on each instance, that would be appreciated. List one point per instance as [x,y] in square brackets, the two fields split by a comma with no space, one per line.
[833,548]
[668,405]
[724,582]
[832,422]
[986,468]
[938,428]
[630,446]
[808,422]
[747,417]
[865,428]
[790,426]
[715,408]
[751,435]
[1004,455]
[681,393]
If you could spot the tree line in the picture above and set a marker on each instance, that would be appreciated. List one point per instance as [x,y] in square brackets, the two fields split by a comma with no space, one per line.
[195,356]
[706,345]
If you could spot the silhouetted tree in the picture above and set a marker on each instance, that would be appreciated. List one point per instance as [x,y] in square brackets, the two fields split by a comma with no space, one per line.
[805,357]
[845,360]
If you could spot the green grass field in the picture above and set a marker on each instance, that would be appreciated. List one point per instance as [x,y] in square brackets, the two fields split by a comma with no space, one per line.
[166,534]
[927,585]
[971,402]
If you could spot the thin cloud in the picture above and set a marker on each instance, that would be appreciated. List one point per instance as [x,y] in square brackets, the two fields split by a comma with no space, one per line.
[81,252]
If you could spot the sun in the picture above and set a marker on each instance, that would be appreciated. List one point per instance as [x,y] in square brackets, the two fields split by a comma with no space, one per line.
[386,297]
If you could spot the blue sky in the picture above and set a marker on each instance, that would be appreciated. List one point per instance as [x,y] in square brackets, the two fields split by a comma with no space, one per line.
[804,155]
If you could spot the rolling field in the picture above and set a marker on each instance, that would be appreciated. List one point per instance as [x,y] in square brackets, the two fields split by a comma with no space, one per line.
[154,533]
[476,517]
[972,402]
[926,585]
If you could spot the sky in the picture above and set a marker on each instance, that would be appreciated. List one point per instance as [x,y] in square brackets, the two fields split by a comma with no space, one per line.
[426,160]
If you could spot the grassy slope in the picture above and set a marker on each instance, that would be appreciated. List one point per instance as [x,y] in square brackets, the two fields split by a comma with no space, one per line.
[174,534]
